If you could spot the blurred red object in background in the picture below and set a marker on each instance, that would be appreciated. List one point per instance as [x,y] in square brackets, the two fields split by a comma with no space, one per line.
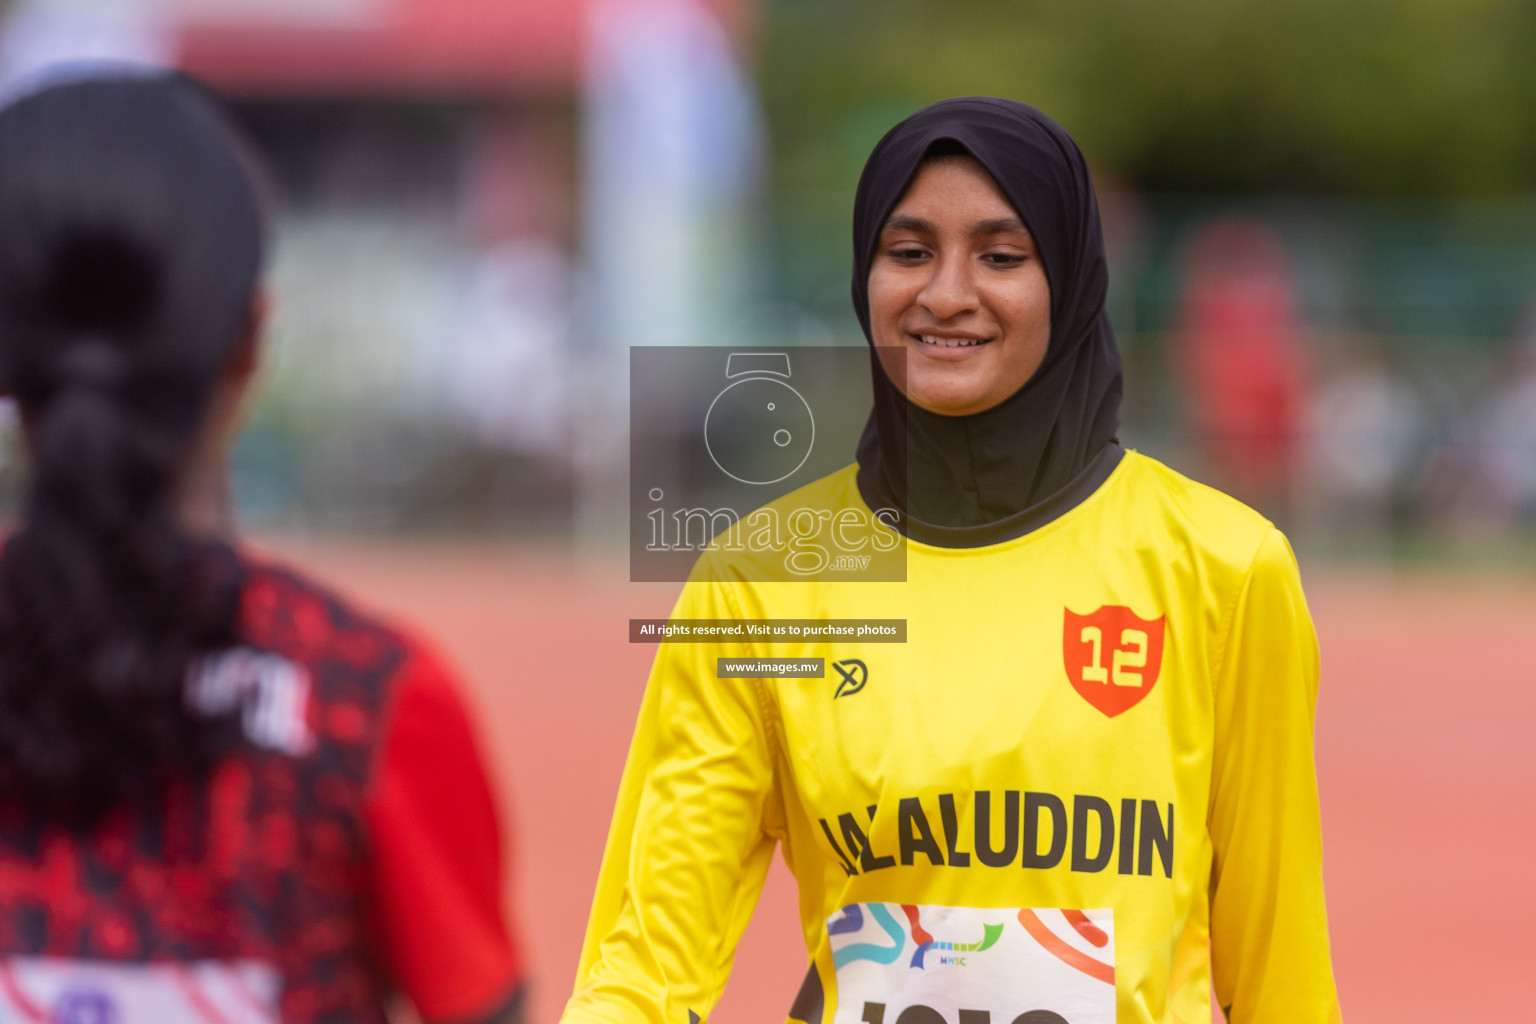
[410,47]
[1241,357]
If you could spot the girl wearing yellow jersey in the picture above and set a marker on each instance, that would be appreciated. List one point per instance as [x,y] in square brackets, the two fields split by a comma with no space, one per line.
[1082,791]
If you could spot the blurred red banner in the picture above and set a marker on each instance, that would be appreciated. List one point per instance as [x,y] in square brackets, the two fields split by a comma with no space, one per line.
[406,47]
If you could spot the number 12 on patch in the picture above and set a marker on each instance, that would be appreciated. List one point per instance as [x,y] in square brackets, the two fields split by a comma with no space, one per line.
[1112,656]
[1132,654]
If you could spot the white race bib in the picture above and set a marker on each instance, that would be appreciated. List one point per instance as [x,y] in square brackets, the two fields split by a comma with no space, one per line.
[910,964]
[45,990]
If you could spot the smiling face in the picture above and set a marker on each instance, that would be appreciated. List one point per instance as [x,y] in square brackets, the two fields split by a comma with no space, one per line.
[958,292]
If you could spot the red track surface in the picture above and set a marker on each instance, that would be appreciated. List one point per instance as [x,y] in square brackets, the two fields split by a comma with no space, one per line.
[1426,726]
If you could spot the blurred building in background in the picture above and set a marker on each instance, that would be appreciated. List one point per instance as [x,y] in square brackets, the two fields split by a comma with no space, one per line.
[1322,236]
[1351,397]
[1323,241]
[453,176]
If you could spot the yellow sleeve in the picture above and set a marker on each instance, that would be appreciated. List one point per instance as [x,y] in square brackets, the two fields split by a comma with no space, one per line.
[688,848]
[1269,927]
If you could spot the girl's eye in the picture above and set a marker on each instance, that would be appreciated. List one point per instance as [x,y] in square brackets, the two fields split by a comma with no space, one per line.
[907,253]
[1004,259]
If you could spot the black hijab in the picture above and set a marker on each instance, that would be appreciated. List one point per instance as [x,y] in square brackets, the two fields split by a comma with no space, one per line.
[966,481]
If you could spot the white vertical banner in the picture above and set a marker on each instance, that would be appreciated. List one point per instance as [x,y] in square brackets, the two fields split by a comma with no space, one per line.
[672,159]
[41,40]
[672,154]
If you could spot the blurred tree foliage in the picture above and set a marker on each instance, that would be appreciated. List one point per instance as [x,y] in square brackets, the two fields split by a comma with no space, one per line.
[1299,97]
[1376,97]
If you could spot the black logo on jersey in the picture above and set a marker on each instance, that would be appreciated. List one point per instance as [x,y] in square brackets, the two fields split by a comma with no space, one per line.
[855,674]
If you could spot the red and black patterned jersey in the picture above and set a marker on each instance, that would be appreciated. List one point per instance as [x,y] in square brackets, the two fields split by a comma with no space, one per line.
[349,851]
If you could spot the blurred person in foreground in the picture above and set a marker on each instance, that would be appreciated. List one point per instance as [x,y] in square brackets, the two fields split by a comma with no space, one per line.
[225,794]
[1083,791]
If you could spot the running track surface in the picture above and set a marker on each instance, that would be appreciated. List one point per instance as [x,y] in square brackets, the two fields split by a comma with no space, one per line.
[1426,725]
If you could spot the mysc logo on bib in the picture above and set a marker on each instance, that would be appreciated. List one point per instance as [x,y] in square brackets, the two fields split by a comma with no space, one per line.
[904,963]
[1112,656]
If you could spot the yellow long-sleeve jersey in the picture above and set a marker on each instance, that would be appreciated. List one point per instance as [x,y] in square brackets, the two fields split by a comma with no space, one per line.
[1081,790]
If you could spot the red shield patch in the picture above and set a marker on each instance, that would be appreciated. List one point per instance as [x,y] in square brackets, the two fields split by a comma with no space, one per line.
[1113,657]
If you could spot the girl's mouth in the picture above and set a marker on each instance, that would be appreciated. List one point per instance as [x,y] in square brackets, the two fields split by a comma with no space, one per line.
[937,342]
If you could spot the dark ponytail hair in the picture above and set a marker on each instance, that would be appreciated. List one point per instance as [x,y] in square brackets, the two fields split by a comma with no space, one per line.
[131,238]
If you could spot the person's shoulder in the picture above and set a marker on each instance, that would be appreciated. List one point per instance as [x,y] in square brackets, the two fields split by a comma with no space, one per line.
[1193,513]
[285,610]
[759,543]
[836,491]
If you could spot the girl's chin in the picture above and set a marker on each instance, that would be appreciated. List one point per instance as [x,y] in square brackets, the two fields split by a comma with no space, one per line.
[949,401]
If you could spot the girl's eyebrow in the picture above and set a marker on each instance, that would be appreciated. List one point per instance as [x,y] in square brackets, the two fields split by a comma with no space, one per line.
[996,226]
[901,222]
